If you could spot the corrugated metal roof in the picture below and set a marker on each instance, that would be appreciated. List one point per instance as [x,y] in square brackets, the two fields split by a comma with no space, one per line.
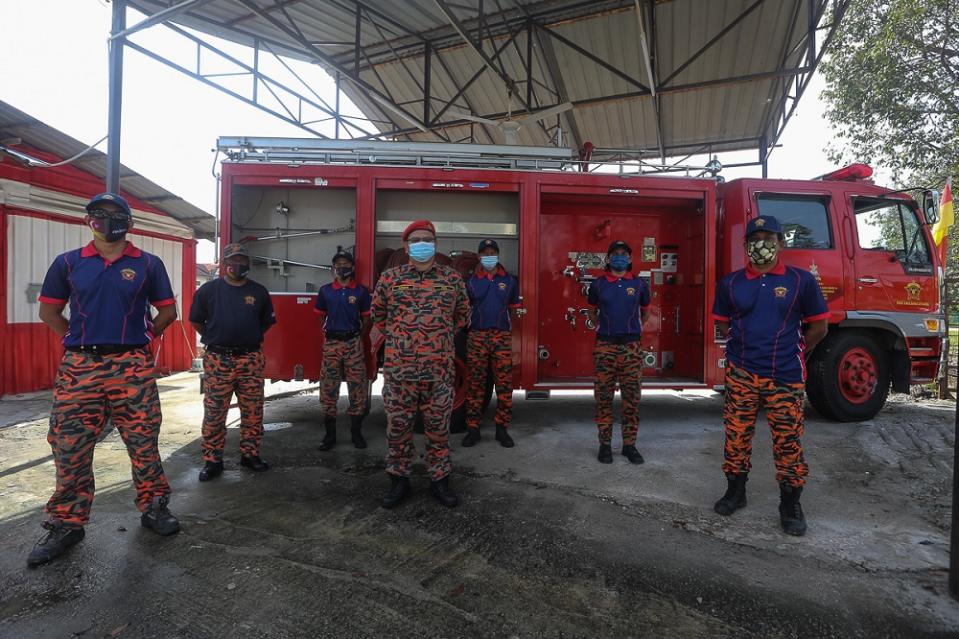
[14,123]
[730,97]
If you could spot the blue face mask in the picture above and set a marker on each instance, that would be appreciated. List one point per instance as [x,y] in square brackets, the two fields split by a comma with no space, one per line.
[489,262]
[422,251]
[619,262]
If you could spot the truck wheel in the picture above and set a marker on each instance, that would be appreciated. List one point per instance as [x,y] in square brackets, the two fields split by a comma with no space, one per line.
[458,419]
[849,377]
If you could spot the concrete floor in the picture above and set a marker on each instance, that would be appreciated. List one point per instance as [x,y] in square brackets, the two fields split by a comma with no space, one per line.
[546,543]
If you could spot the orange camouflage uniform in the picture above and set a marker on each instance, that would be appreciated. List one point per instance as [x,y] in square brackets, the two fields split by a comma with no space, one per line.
[419,313]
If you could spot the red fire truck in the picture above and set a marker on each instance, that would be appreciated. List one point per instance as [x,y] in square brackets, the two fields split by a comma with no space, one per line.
[297,201]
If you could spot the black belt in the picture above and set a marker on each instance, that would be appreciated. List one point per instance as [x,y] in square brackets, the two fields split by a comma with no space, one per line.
[618,339]
[106,349]
[341,336]
[232,350]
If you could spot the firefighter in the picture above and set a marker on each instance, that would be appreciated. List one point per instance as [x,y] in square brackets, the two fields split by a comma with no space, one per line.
[344,307]
[231,314]
[772,315]
[107,370]
[419,307]
[492,293]
[621,302]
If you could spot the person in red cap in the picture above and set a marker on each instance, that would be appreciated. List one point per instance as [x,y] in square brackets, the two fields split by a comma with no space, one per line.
[231,314]
[106,371]
[419,307]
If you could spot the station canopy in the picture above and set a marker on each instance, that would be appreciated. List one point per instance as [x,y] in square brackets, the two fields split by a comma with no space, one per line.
[653,78]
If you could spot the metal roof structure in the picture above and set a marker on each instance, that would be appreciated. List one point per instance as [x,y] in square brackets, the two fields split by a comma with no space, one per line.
[15,124]
[637,78]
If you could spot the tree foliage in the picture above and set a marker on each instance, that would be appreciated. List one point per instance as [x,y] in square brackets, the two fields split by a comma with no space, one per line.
[892,88]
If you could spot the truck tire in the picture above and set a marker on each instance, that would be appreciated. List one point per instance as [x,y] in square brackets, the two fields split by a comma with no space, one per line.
[849,377]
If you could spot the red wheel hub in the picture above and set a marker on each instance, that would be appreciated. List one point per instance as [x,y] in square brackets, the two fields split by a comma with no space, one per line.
[858,375]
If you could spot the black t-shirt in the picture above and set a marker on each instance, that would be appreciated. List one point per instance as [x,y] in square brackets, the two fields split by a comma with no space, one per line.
[232,315]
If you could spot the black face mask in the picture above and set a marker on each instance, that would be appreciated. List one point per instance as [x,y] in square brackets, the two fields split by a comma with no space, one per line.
[110,229]
[344,272]
[237,271]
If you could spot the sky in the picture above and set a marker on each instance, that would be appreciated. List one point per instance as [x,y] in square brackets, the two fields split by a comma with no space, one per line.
[53,66]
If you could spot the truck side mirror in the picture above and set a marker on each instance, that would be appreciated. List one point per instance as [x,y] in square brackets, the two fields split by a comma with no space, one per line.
[930,205]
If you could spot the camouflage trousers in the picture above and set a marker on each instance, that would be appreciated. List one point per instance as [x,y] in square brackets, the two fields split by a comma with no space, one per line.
[485,351]
[402,400]
[225,375]
[622,364]
[746,393]
[343,360]
[90,388]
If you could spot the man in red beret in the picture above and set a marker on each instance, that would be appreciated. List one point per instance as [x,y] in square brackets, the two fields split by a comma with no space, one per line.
[419,307]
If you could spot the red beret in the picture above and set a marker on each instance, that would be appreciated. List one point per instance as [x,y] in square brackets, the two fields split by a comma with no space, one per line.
[417,226]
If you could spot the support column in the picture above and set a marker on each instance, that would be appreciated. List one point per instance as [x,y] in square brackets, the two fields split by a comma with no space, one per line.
[116,96]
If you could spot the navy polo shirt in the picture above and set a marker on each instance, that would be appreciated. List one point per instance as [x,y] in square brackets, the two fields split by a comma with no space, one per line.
[235,316]
[109,301]
[620,300]
[492,294]
[765,312]
[343,306]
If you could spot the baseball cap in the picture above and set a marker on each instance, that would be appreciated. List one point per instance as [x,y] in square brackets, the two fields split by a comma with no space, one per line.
[618,244]
[485,244]
[109,197]
[763,223]
[232,250]
[346,255]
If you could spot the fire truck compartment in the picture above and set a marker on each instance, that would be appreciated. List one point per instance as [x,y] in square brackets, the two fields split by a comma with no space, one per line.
[667,238]
[292,233]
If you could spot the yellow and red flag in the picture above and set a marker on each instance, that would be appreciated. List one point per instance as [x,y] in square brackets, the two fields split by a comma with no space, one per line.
[947,215]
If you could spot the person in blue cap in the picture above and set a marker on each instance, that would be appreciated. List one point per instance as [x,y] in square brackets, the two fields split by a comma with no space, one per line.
[493,294]
[772,315]
[106,371]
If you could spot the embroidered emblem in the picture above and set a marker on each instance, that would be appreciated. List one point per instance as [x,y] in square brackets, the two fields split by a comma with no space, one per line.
[128,274]
[502,286]
[780,291]
[630,291]
[249,299]
[760,222]
[488,242]
[351,299]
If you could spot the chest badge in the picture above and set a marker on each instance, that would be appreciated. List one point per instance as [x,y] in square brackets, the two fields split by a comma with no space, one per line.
[351,299]
[780,291]
[250,300]
[502,286]
[128,274]
[630,291]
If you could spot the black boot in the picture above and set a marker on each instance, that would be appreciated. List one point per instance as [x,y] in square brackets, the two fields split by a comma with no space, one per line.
[790,511]
[356,431]
[211,470]
[399,490]
[472,437]
[329,440]
[159,519]
[54,543]
[502,436]
[605,454]
[440,489]
[632,454]
[254,463]
[735,497]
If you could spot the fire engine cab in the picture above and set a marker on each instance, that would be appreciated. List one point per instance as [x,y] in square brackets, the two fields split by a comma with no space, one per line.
[296,202]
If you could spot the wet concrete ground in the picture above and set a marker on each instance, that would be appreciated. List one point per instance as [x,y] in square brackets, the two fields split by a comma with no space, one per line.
[546,543]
